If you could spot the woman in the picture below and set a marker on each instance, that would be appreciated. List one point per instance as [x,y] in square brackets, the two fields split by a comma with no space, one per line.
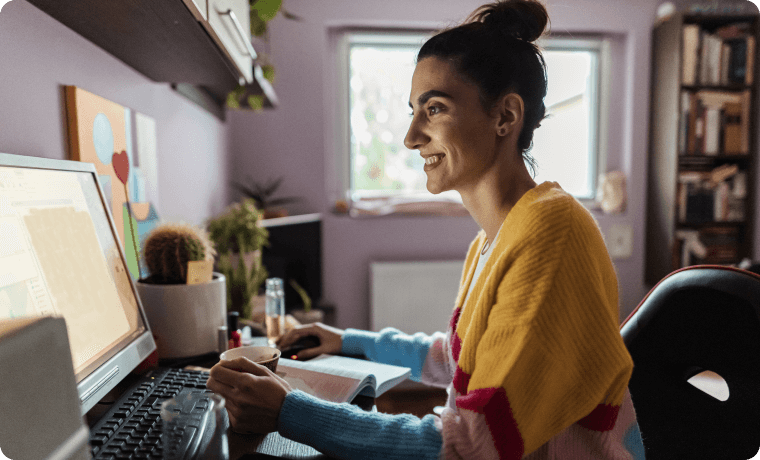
[533,359]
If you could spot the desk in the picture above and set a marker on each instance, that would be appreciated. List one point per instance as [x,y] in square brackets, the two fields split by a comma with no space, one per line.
[242,447]
[272,445]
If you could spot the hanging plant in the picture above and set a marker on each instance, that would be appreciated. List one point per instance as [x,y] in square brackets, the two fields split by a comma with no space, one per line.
[250,96]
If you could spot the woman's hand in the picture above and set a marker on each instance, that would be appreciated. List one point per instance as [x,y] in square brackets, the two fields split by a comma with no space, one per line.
[330,339]
[253,394]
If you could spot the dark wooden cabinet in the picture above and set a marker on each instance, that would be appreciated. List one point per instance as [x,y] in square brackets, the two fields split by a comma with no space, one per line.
[702,152]
[160,39]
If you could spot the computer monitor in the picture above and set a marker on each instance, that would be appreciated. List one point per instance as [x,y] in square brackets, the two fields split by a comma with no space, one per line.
[61,255]
[295,253]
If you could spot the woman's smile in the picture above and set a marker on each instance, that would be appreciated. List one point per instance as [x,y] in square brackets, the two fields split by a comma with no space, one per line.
[433,161]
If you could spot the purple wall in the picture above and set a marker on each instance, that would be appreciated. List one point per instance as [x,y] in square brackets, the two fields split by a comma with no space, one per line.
[197,152]
[291,140]
[38,55]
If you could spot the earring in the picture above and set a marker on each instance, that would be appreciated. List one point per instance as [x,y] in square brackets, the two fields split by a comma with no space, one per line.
[502,132]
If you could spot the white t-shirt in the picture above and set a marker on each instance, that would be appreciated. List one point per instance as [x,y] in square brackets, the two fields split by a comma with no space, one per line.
[482,259]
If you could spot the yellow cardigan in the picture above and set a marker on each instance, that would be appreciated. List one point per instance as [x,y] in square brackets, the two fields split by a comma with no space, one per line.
[541,324]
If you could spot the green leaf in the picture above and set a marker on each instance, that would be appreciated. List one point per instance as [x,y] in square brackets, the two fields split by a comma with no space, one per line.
[303,294]
[232,101]
[266,9]
[268,72]
[256,102]
[258,25]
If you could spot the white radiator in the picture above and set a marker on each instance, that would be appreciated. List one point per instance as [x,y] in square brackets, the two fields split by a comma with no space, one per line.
[413,296]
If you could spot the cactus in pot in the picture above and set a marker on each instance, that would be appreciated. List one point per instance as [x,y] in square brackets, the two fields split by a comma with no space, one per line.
[168,249]
[184,312]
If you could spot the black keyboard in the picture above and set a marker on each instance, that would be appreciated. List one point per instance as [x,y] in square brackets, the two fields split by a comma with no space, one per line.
[131,429]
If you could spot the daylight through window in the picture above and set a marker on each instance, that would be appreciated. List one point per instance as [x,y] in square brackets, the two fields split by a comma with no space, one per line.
[380,68]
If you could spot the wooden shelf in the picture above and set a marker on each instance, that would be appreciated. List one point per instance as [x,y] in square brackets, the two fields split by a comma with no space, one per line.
[663,246]
[716,20]
[707,162]
[160,39]
[704,225]
[736,88]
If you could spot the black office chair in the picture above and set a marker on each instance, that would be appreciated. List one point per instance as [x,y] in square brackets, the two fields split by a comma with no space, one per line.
[697,318]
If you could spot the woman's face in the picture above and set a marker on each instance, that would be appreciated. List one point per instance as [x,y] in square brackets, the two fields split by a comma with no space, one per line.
[450,128]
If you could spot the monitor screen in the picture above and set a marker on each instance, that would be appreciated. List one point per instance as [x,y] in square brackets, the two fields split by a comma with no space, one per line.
[294,253]
[60,256]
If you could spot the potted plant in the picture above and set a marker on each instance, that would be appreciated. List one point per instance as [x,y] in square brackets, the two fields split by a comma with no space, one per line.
[261,194]
[185,302]
[259,94]
[307,314]
[239,237]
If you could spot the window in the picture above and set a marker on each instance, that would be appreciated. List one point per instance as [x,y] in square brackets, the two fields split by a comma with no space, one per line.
[376,71]
[567,146]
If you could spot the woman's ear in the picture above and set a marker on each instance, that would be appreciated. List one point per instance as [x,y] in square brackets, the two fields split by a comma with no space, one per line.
[511,110]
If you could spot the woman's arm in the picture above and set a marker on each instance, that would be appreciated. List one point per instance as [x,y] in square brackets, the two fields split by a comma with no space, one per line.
[425,355]
[344,431]
[260,401]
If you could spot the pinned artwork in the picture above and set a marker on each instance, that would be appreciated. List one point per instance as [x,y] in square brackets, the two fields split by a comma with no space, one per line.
[611,193]
[105,133]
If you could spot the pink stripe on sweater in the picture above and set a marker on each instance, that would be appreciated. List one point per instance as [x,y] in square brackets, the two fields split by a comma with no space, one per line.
[493,403]
[461,381]
[456,342]
[455,318]
[602,418]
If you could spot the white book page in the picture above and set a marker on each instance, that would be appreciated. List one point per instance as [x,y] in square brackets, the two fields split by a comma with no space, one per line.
[331,386]
[384,376]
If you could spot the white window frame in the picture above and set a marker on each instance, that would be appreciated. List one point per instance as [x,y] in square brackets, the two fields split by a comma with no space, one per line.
[598,137]
[339,176]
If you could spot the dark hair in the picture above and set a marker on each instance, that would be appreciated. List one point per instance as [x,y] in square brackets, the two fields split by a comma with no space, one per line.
[493,48]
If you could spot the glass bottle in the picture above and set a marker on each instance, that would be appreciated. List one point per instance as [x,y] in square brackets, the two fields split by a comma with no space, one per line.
[275,309]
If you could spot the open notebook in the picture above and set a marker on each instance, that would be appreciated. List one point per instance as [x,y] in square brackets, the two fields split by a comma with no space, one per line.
[339,378]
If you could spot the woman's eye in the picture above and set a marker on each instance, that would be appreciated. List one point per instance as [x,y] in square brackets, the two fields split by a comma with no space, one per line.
[434,109]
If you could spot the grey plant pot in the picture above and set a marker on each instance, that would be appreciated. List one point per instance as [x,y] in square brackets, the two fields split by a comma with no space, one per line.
[185,319]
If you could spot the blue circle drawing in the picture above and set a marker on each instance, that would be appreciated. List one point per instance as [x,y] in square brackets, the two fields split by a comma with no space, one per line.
[102,137]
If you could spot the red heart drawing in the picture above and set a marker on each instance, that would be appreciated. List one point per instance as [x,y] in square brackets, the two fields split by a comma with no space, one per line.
[120,163]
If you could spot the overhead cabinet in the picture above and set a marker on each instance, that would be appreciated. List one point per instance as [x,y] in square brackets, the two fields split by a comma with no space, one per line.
[205,43]
[229,24]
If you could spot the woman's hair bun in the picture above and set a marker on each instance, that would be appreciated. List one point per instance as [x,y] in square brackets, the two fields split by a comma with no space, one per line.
[522,19]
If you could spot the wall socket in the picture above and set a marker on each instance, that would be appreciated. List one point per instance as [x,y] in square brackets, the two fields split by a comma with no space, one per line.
[620,241]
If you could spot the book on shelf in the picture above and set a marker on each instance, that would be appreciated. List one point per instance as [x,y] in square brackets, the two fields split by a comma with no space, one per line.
[710,245]
[714,122]
[690,46]
[711,196]
[339,378]
[720,57]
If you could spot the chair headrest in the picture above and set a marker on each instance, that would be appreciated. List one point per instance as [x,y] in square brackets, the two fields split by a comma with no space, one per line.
[695,319]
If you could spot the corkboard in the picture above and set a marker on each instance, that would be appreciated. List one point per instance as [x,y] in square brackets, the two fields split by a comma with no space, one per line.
[98,128]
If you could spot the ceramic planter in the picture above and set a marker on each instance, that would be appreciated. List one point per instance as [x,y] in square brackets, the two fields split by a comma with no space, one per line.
[184,319]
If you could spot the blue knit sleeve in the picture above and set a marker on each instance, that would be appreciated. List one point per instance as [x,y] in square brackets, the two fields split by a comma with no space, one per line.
[389,346]
[345,431]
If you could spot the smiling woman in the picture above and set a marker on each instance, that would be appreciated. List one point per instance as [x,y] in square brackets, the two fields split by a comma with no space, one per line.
[532,358]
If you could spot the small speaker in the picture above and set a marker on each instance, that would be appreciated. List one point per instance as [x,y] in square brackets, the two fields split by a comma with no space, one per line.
[40,416]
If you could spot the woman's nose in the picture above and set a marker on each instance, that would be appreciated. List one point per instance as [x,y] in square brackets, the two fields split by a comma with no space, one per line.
[415,138]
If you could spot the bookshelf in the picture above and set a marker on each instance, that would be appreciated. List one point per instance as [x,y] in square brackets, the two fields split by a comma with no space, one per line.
[702,150]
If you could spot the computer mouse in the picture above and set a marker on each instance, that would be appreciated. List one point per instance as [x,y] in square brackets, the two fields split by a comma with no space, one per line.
[309,341]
